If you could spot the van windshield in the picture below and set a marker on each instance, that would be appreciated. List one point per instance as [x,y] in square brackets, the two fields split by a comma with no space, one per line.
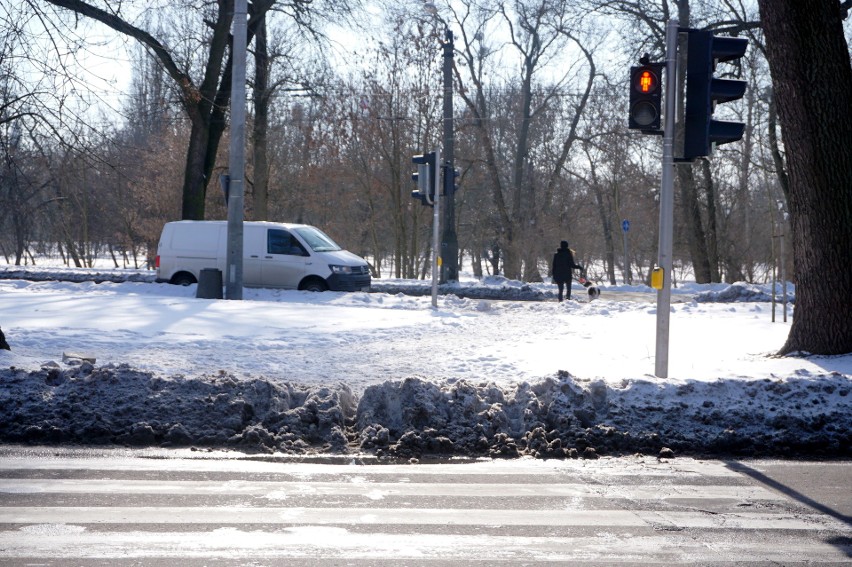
[317,239]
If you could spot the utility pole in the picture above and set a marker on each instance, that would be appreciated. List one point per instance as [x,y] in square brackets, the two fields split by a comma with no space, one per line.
[450,242]
[449,250]
[236,156]
[626,274]
[436,223]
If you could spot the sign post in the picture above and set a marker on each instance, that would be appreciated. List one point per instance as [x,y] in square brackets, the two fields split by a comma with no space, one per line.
[625,227]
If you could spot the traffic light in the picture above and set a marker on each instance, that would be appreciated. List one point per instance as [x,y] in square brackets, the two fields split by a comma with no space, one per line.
[425,178]
[703,91]
[645,97]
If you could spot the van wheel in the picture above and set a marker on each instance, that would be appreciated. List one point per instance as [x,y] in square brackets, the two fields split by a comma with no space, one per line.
[314,285]
[183,279]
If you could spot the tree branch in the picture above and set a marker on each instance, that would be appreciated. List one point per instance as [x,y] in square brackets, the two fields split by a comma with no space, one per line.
[188,88]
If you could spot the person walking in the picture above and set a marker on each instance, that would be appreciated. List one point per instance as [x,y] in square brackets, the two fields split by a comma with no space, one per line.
[562,269]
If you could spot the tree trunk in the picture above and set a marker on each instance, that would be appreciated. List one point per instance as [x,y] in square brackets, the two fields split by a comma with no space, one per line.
[694,226]
[777,157]
[812,77]
[605,208]
[494,259]
[194,181]
[712,229]
[745,194]
[261,123]
[476,262]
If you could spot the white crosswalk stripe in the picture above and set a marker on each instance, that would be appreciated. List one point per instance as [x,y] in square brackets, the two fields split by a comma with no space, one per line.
[129,510]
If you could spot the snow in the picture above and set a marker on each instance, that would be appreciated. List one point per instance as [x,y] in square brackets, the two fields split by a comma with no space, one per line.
[388,374]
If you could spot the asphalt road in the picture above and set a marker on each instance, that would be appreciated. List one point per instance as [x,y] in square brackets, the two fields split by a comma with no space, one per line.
[156,507]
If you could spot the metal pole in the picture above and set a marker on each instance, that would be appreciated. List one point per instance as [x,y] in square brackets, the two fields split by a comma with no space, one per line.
[436,229]
[774,277]
[664,295]
[783,277]
[450,242]
[236,156]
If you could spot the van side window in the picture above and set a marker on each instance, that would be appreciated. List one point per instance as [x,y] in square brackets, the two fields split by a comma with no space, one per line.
[282,242]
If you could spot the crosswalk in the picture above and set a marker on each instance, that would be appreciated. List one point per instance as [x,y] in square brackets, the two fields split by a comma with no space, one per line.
[188,509]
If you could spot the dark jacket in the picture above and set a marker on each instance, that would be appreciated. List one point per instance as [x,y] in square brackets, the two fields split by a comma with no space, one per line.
[563,265]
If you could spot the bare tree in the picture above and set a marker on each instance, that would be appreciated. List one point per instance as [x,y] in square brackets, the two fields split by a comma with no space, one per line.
[261,92]
[287,63]
[203,82]
[204,101]
[539,33]
[20,194]
[804,40]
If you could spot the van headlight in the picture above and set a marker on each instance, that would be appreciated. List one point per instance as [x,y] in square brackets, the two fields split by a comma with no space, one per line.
[340,269]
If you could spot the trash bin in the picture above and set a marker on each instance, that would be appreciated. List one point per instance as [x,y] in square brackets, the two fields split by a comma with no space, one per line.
[209,284]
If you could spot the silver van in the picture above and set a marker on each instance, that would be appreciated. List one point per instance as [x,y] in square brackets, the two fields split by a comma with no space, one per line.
[276,255]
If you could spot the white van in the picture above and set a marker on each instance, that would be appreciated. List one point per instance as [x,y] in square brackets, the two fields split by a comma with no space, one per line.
[289,256]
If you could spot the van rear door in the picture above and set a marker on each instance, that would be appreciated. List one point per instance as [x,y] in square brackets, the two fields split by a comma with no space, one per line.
[285,261]
[187,247]
[254,253]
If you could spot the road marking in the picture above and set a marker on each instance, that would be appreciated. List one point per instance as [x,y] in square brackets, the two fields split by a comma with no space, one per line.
[341,543]
[413,516]
[520,512]
[378,490]
[231,462]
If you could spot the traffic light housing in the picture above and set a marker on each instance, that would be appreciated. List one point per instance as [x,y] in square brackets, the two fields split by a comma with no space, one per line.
[424,177]
[454,175]
[646,90]
[704,91]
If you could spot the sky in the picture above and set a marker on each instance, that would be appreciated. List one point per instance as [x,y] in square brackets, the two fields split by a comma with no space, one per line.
[366,345]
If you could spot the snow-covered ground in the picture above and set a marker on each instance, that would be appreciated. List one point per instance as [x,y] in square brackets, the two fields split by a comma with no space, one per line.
[387,373]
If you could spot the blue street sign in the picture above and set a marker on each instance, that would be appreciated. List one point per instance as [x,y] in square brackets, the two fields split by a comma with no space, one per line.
[625,225]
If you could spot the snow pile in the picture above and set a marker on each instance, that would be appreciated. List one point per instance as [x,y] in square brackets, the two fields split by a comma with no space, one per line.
[121,405]
[742,291]
[77,275]
[559,417]
[489,287]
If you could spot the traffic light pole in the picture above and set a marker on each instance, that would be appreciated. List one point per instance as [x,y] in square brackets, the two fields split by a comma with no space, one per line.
[436,229]
[664,260]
